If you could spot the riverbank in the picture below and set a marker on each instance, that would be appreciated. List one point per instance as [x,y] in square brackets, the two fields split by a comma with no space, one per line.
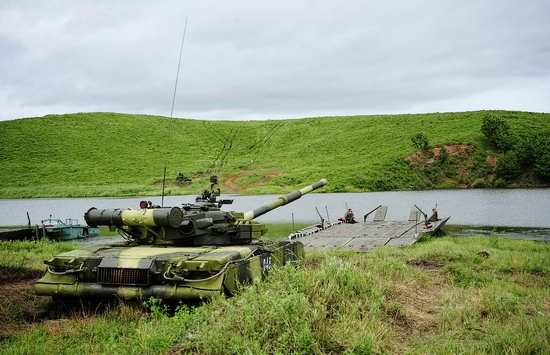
[109,154]
[466,295]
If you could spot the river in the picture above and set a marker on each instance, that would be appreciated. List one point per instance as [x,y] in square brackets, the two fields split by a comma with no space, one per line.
[473,207]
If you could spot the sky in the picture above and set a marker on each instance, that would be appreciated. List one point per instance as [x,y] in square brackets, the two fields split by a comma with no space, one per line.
[273,59]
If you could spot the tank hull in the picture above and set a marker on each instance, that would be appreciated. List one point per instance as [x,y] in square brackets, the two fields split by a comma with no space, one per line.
[167,272]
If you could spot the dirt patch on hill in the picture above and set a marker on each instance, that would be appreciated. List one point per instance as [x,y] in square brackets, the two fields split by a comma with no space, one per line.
[230,183]
[492,160]
[453,166]
[434,152]
[234,183]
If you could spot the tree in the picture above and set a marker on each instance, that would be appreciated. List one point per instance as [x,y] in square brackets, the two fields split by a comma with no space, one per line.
[508,167]
[497,131]
[541,154]
[420,141]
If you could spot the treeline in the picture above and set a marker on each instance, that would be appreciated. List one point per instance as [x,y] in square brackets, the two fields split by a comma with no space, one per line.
[520,154]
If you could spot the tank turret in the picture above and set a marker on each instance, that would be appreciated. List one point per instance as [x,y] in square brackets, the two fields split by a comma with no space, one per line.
[201,223]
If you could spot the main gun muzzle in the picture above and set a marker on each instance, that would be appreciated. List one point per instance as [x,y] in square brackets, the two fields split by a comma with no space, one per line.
[150,217]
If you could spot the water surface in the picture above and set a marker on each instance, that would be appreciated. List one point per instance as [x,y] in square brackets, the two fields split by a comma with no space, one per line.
[474,207]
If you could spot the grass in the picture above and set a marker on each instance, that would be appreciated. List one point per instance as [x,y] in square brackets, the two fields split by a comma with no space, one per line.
[26,255]
[108,154]
[447,295]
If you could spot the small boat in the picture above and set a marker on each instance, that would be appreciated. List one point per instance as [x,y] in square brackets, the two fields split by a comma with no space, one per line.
[56,229]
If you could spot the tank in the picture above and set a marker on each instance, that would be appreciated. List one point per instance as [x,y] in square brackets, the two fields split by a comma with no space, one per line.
[194,251]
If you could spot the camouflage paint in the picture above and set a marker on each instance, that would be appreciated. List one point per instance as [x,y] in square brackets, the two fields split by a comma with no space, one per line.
[228,268]
[195,251]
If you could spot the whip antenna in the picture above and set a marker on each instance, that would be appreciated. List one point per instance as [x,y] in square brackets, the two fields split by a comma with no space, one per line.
[179,64]
[174,100]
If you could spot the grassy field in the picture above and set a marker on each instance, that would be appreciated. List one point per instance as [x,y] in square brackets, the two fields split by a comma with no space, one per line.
[448,295]
[108,154]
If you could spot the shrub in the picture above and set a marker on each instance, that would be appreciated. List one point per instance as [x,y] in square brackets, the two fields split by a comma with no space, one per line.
[497,132]
[541,154]
[443,155]
[448,185]
[508,166]
[420,141]
[382,185]
[479,183]
[500,183]
[481,166]
[533,151]
[524,150]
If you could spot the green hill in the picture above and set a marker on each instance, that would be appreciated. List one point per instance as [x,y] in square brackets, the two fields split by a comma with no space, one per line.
[108,154]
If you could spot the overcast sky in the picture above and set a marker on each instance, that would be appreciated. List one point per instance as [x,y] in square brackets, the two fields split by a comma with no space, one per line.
[273,59]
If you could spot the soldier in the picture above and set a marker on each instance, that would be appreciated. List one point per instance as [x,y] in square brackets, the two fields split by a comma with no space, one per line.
[433,217]
[349,217]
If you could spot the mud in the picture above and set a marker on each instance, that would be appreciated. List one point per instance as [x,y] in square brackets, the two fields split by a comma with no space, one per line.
[425,264]
[20,308]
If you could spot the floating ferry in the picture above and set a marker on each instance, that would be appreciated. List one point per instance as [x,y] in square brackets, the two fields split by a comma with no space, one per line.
[369,234]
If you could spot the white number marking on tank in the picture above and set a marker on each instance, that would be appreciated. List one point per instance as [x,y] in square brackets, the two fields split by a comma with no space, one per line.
[266,263]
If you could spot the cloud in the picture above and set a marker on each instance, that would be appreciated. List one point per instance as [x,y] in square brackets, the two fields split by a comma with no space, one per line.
[256,60]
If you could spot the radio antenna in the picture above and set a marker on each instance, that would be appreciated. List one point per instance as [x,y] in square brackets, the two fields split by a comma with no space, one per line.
[173,101]
[178,72]
[163,185]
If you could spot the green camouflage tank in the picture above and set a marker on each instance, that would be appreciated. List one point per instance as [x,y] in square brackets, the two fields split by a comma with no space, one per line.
[191,252]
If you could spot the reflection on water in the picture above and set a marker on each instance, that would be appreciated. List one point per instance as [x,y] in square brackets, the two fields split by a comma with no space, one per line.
[538,234]
[476,207]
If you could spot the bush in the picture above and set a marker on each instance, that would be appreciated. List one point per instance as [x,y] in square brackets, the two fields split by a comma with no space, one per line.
[524,150]
[533,151]
[448,185]
[479,183]
[497,132]
[500,183]
[508,166]
[420,141]
[481,167]
[541,152]
[443,155]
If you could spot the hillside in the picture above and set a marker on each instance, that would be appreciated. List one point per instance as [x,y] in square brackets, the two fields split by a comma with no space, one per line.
[108,154]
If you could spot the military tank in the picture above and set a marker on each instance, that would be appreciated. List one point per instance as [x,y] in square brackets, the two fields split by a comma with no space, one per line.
[190,252]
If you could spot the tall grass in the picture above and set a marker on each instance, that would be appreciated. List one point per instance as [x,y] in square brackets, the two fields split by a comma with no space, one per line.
[449,295]
[30,255]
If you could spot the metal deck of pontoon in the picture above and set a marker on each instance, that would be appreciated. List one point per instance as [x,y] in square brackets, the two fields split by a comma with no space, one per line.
[364,236]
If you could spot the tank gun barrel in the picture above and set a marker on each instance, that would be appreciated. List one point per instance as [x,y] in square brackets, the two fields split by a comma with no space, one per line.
[283,200]
[149,217]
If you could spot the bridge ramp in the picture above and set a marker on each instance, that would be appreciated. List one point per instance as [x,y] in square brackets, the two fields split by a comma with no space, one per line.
[362,236]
